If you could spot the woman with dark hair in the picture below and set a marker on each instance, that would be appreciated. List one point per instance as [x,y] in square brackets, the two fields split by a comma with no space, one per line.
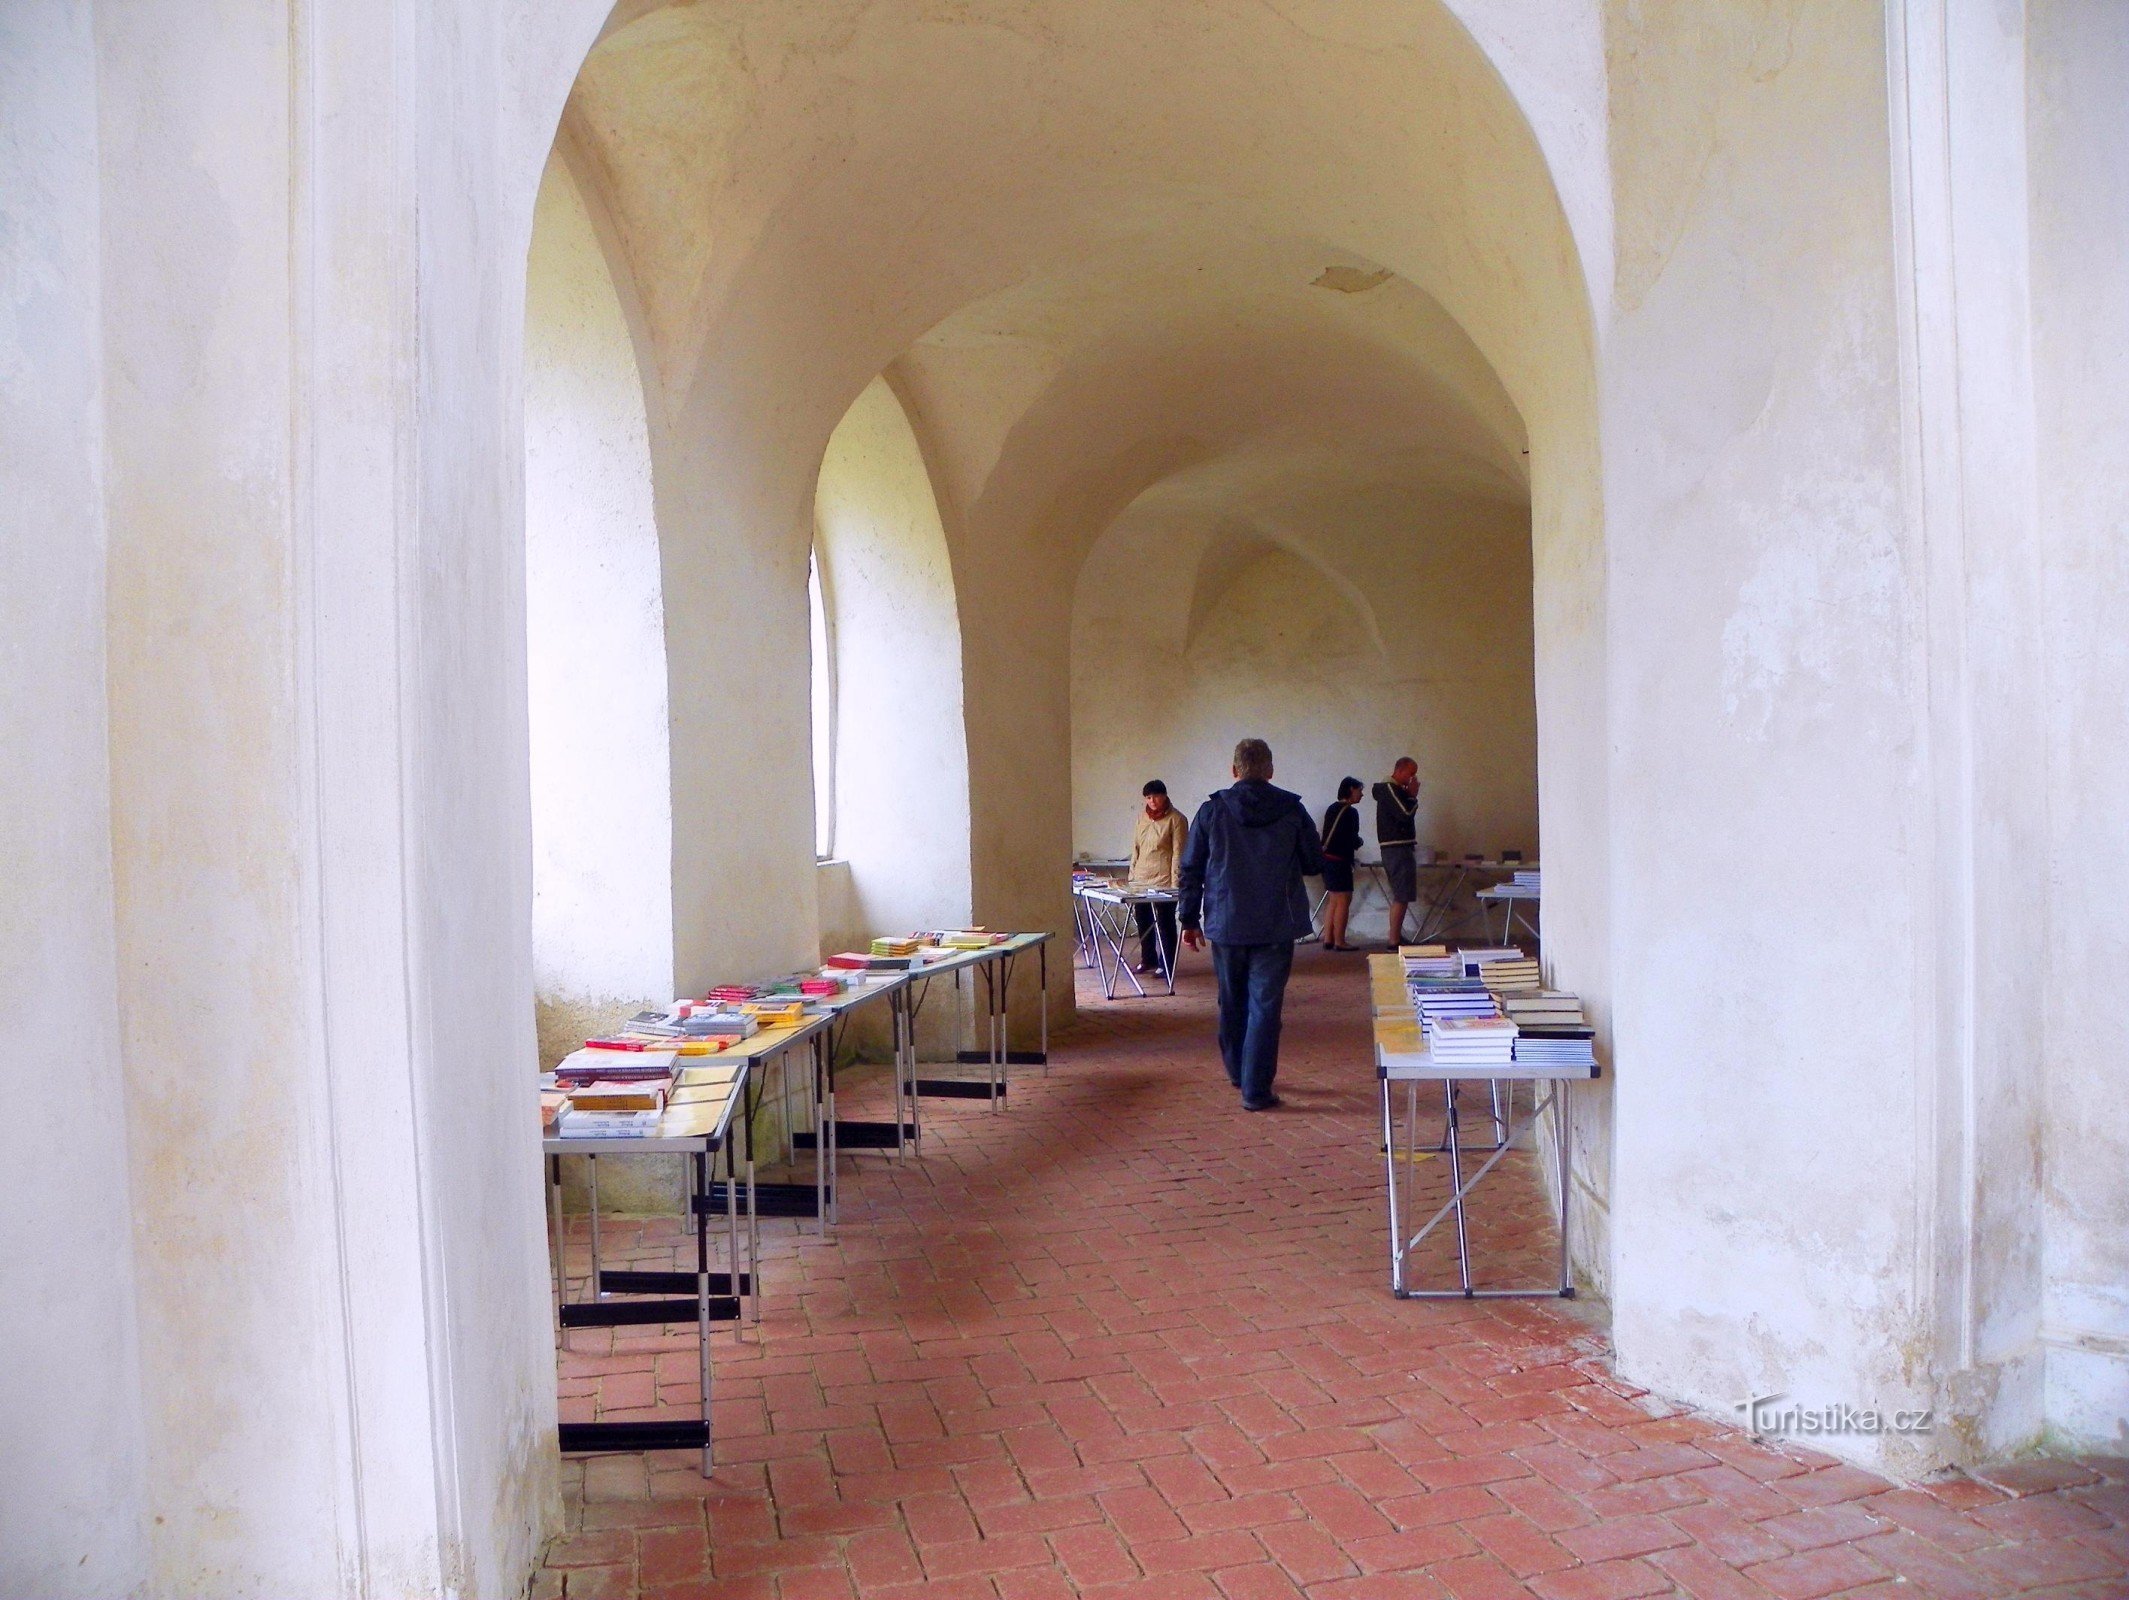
[1341,843]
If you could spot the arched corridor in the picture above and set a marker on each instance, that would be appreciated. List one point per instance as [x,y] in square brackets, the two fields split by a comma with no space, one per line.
[1128,1340]
[497,491]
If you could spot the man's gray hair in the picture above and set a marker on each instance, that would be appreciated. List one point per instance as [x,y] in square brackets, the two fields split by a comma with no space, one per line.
[1253,759]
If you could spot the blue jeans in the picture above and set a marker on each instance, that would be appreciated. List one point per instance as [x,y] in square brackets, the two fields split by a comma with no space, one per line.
[1252,980]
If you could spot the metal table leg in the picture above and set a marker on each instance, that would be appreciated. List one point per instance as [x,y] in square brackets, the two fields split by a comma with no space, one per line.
[700,1205]
[1397,1232]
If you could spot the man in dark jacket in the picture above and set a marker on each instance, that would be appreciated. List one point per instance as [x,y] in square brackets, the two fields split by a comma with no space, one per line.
[1249,849]
[1397,836]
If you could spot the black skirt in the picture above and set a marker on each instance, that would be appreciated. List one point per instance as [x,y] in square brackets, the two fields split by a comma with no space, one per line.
[1337,876]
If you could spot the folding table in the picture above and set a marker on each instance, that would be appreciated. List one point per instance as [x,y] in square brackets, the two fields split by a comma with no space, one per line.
[1112,914]
[993,965]
[1507,896]
[701,1127]
[1401,1057]
[830,1134]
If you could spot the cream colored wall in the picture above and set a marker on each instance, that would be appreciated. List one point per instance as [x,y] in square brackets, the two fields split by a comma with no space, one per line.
[73,1516]
[901,746]
[1186,639]
[602,834]
[2079,164]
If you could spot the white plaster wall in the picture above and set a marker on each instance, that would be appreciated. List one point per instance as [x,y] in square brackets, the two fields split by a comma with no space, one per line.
[2079,155]
[319,819]
[901,748]
[73,1516]
[1777,633]
[1434,660]
[602,835]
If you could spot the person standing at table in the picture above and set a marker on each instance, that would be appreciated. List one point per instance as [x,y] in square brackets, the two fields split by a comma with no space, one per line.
[1250,847]
[1341,844]
[1156,863]
[1397,836]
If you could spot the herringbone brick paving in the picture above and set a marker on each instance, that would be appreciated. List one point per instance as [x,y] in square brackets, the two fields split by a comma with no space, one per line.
[1126,1340]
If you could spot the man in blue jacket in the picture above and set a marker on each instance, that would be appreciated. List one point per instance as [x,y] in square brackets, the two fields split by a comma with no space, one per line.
[1249,848]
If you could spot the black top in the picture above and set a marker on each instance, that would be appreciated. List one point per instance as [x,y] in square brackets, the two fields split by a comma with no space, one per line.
[1341,830]
[1393,815]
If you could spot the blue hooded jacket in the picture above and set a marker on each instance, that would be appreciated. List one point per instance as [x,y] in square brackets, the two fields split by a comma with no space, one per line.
[1250,846]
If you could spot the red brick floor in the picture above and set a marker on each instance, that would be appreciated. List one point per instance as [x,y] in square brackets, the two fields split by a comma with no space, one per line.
[1126,1340]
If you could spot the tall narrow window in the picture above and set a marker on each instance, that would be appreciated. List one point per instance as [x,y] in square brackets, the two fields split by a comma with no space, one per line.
[823,716]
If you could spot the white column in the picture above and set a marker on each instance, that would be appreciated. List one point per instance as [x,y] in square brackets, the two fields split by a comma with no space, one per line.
[1956,76]
[317,730]
[73,1516]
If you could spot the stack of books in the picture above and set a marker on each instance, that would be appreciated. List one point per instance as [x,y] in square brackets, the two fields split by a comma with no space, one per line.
[1439,1001]
[901,949]
[965,939]
[823,987]
[596,1062]
[616,1098]
[1472,1041]
[730,994]
[775,1013]
[575,1124]
[703,1024]
[1551,1030]
[1429,961]
[856,961]
[1507,977]
[1528,879]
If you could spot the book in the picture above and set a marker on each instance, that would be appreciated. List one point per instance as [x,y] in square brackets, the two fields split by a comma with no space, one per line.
[774,1013]
[591,1064]
[853,961]
[574,1124]
[729,1025]
[643,1095]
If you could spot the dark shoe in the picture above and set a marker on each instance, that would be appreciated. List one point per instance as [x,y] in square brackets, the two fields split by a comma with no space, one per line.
[1270,1102]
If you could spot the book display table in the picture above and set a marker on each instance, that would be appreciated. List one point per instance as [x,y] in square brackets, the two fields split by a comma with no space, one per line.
[1442,888]
[830,1134]
[707,1116]
[702,1123]
[992,967]
[1111,923]
[1402,1059]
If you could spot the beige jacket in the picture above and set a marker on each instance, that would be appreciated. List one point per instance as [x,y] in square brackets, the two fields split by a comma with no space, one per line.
[1157,850]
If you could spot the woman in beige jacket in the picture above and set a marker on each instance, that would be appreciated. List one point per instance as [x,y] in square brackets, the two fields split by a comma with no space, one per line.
[1157,863]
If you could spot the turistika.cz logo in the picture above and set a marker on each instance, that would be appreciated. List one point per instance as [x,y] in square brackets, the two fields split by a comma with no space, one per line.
[1777,1416]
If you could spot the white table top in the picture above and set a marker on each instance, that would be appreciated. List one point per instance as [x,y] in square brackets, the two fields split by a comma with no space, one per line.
[1119,894]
